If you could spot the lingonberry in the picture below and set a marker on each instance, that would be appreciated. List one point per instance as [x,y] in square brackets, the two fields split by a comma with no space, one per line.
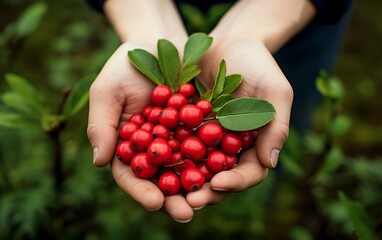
[183,165]
[183,132]
[193,148]
[159,152]
[175,144]
[177,101]
[125,152]
[247,139]
[217,162]
[202,166]
[210,149]
[205,106]
[148,126]
[231,161]
[187,90]
[141,166]
[169,183]
[231,144]
[146,110]
[210,133]
[160,95]
[140,140]
[137,118]
[192,179]
[160,131]
[176,158]
[169,117]
[190,115]
[153,116]
[127,129]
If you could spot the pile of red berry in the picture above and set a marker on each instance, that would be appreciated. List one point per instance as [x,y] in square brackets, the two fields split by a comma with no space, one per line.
[179,142]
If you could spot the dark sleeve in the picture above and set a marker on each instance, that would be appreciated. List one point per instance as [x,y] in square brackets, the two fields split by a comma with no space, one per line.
[96,4]
[330,11]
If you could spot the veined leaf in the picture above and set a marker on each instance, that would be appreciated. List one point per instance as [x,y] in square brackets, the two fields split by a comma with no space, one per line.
[220,101]
[147,64]
[220,80]
[188,73]
[78,97]
[169,62]
[243,114]
[199,86]
[231,83]
[196,46]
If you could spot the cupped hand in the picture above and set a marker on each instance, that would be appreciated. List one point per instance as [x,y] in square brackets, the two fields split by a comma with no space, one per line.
[118,92]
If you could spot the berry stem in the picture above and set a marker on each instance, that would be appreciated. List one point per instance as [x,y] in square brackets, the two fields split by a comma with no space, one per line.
[209,118]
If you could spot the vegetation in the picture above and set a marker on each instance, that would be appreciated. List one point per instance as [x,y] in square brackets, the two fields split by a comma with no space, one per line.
[327,186]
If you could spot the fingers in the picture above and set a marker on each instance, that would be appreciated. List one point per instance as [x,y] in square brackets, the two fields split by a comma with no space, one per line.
[178,208]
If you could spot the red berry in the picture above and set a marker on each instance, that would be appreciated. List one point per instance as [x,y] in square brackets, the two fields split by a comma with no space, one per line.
[127,129]
[177,101]
[192,179]
[231,161]
[169,183]
[176,157]
[153,116]
[210,149]
[140,140]
[217,162]
[247,139]
[160,131]
[148,126]
[193,148]
[202,166]
[125,152]
[205,106]
[191,115]
[137,118]
[211,134]
[159,152]
[187,90]
[175,144]
[182,133]
[146,110]
[141,166]
[169,117]
[160,95]
[185,164]
[231,144]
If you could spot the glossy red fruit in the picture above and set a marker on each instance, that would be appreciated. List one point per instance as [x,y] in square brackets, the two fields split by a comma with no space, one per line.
[185,164]
[190,115]
[187,90]
[247,139]
[125,152]
[202,166]
[176,158]
[205,106]
[140,140]
[169,183]
[217,162]
[127,129]
[153,116]
[141,166]
[192,179]
[183,132]
[159,152]
[193,148]
[146,110]
[211,134]
[210,149]
[169,117]
[160,95]
[175,144]
[160,131]
[231,161]
[177,101]
[231,144]
[137,118]
[148,126]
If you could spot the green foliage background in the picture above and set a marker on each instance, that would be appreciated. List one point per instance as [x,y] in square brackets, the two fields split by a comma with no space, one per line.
[328,188]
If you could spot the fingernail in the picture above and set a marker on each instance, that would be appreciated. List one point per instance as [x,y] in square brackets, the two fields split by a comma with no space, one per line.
[274,157]
[198,208]
[183,221]
[153,209]
[95,154]
[220,189]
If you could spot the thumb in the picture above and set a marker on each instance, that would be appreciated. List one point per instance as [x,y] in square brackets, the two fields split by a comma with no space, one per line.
[104,114]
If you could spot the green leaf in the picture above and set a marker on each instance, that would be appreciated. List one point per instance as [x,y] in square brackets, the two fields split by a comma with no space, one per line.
[188,73]
[51,121]
[220,101]
[245,114]
[358,216]
[332,162]
[20,104]
[196,46]
[339,125]
[17,121]
[220,80]
[199,86]
[147,64]
[231,83]
[78,97]
[30,19]
[169,62]
[21,86]
[330,87]
[207,95]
